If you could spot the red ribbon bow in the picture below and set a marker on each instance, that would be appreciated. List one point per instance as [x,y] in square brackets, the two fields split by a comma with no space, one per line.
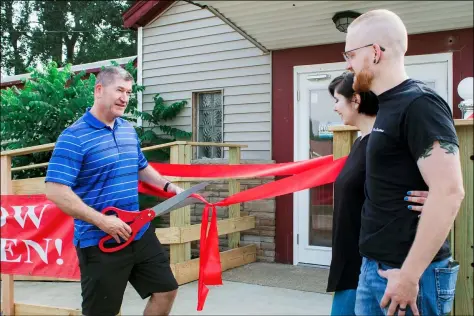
[304,175]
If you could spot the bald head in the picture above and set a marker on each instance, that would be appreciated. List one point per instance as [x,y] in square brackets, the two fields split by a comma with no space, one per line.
[381,27]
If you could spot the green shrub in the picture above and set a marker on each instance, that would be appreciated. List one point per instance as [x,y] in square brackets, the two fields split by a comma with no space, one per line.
[53,99]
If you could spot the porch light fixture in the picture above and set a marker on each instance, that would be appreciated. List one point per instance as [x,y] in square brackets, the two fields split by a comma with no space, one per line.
[465,91]
[343,19]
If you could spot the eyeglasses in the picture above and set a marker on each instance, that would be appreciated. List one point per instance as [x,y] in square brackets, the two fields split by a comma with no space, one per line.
[347,55]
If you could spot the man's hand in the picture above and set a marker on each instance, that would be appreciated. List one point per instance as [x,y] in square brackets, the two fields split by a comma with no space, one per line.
[115,227]
[401,292]
[175,189]
[153,177]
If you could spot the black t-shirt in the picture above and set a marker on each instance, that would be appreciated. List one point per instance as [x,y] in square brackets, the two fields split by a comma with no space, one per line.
[348,200]
[411,117]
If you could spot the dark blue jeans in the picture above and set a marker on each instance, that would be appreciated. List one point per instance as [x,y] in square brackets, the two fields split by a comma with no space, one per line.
[436,295]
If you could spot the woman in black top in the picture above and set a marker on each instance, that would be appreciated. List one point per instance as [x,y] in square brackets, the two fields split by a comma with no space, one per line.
[359,110]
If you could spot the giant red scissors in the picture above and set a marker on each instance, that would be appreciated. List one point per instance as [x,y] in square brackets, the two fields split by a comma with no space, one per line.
[136,220]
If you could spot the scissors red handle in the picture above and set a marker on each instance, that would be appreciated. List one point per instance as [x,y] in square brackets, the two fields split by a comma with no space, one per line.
[136,221]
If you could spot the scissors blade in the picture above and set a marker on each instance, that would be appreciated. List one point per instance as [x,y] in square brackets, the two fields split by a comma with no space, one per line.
[189,201]
[169,204]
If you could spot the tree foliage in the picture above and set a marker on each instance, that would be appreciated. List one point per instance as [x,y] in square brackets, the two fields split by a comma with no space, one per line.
[53,99]
[160,113]
[37,32]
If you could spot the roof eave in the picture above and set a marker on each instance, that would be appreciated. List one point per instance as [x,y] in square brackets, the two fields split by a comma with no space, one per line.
[143,12]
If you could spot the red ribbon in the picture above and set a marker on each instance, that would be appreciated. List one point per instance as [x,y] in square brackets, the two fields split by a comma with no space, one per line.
[304,175]
[210,270]
[240,171]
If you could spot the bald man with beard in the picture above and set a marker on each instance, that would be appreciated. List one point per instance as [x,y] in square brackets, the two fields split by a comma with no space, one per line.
[407,263]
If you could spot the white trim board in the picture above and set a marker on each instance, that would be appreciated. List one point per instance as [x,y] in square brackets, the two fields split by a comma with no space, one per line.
[413,59]
[75,68]
[140,72]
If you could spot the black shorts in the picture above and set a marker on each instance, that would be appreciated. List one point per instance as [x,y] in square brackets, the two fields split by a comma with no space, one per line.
[104,276]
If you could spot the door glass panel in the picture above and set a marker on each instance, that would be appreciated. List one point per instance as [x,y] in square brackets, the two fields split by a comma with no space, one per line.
[431,84]
[322,116]
[434,75]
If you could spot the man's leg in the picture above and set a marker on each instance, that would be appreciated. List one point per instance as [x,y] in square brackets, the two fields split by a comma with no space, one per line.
[369,285]
[152,276]
[437,287]
[104,277]
[160,303]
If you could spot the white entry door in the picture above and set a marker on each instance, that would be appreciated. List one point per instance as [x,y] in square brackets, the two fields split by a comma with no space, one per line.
[313,113]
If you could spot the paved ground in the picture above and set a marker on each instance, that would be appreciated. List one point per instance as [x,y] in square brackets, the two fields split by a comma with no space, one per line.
[302,278]
[277,296]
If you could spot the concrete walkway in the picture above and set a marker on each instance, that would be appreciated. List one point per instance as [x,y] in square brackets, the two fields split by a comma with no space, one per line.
[254,289]
[233,298]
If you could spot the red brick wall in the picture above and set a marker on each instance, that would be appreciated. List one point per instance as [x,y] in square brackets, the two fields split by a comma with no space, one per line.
[460,42]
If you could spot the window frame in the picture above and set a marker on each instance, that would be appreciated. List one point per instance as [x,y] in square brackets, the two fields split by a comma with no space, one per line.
[195,118]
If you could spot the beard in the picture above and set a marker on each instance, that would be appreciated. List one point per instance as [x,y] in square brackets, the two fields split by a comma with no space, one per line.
[363,80]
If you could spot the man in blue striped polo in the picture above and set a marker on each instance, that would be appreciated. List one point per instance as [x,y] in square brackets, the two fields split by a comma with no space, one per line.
[96,163]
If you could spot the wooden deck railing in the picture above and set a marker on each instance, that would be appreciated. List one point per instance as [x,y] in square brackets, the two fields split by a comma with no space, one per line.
[179,235]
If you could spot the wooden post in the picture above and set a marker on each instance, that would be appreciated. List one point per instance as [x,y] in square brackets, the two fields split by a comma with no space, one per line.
[8,302]
[180,154]
[343,138]
[463,226]
[234,187]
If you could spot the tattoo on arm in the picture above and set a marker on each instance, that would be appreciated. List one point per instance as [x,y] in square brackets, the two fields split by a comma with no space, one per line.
[450,148]
[427,152]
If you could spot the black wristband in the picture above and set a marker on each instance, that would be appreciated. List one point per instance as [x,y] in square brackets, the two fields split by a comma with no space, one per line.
[165,188]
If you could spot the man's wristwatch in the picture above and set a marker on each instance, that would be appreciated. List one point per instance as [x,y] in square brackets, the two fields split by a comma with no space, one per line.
[165,188]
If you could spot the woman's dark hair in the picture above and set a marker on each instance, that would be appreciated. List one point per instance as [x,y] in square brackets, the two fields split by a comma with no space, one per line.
[369,103]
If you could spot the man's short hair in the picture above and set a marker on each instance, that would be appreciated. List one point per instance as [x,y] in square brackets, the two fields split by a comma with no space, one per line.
[109,74]
[384,27]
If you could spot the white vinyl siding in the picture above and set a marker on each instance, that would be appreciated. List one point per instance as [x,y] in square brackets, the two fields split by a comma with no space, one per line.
[189,50]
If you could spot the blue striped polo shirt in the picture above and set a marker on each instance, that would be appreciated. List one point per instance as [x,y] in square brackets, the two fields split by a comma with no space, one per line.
[101,166]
